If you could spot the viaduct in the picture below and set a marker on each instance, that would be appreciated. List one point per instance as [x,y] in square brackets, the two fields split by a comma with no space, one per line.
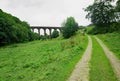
[45,28]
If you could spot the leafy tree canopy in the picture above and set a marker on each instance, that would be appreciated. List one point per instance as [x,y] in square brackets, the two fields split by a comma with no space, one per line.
[69,27]
[13,30]
[55,34]
[101,12]
[118,5]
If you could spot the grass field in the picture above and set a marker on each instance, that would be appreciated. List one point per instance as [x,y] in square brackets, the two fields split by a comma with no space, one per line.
[89,28]
[112,40]
[51,60]
[101,69]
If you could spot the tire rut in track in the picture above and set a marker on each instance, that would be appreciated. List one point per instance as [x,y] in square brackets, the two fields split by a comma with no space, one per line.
[115,62]
[81,71]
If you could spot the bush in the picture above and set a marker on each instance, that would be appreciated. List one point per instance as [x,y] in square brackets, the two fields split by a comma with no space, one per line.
[13,30]
[69,27]
[55,34]
[42,37]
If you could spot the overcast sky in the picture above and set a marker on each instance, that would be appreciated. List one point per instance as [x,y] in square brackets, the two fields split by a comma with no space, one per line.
[47,12]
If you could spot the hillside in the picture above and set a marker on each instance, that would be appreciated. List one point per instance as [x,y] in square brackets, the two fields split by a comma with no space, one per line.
[51,60]
[13,30]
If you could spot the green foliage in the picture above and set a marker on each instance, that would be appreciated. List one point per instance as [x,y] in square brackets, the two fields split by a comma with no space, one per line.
[81,27]
[33,36]
[100,67]
[117,10]
[69,27]
[101,12]
[102,30]
[55,34]
[41,61]
[112,41]
[90,29]
[104,16]
[115,26]
[12,30]
[118,6]
[42,37]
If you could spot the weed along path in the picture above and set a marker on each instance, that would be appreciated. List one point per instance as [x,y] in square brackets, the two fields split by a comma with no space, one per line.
[113,59]
[81,71]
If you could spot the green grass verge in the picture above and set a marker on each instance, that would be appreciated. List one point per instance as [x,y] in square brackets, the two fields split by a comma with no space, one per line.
[41,61]
[90,28]
[112,40]
[101,69]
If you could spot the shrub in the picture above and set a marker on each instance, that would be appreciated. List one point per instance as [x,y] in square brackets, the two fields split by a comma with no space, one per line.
[13,30]
[55,34]
[69,27]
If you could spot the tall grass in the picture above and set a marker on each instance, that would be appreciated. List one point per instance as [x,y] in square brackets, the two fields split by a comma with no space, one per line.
[41,61]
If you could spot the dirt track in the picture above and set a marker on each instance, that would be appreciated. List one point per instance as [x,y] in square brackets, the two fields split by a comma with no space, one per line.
[81,71]
[115,62]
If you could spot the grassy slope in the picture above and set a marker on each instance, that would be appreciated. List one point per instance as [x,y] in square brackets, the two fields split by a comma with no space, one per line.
[101,69]
[112,40]
[41,61]
[89,29]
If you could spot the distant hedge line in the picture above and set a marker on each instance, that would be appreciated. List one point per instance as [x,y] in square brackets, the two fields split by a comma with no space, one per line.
[13,30]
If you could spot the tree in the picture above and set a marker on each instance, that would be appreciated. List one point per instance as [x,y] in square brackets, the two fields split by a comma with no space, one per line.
[55,34]
[69,27]
[13,30]
[118,10]
[118,5]
[101,12]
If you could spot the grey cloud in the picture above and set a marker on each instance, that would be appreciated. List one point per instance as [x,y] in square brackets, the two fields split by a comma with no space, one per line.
[47,12]
[25,3]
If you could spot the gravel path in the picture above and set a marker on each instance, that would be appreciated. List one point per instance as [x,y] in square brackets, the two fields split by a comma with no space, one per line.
[115,62]
[81,71]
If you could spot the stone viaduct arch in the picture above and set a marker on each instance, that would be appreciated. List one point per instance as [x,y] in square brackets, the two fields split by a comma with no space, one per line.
[45,28]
